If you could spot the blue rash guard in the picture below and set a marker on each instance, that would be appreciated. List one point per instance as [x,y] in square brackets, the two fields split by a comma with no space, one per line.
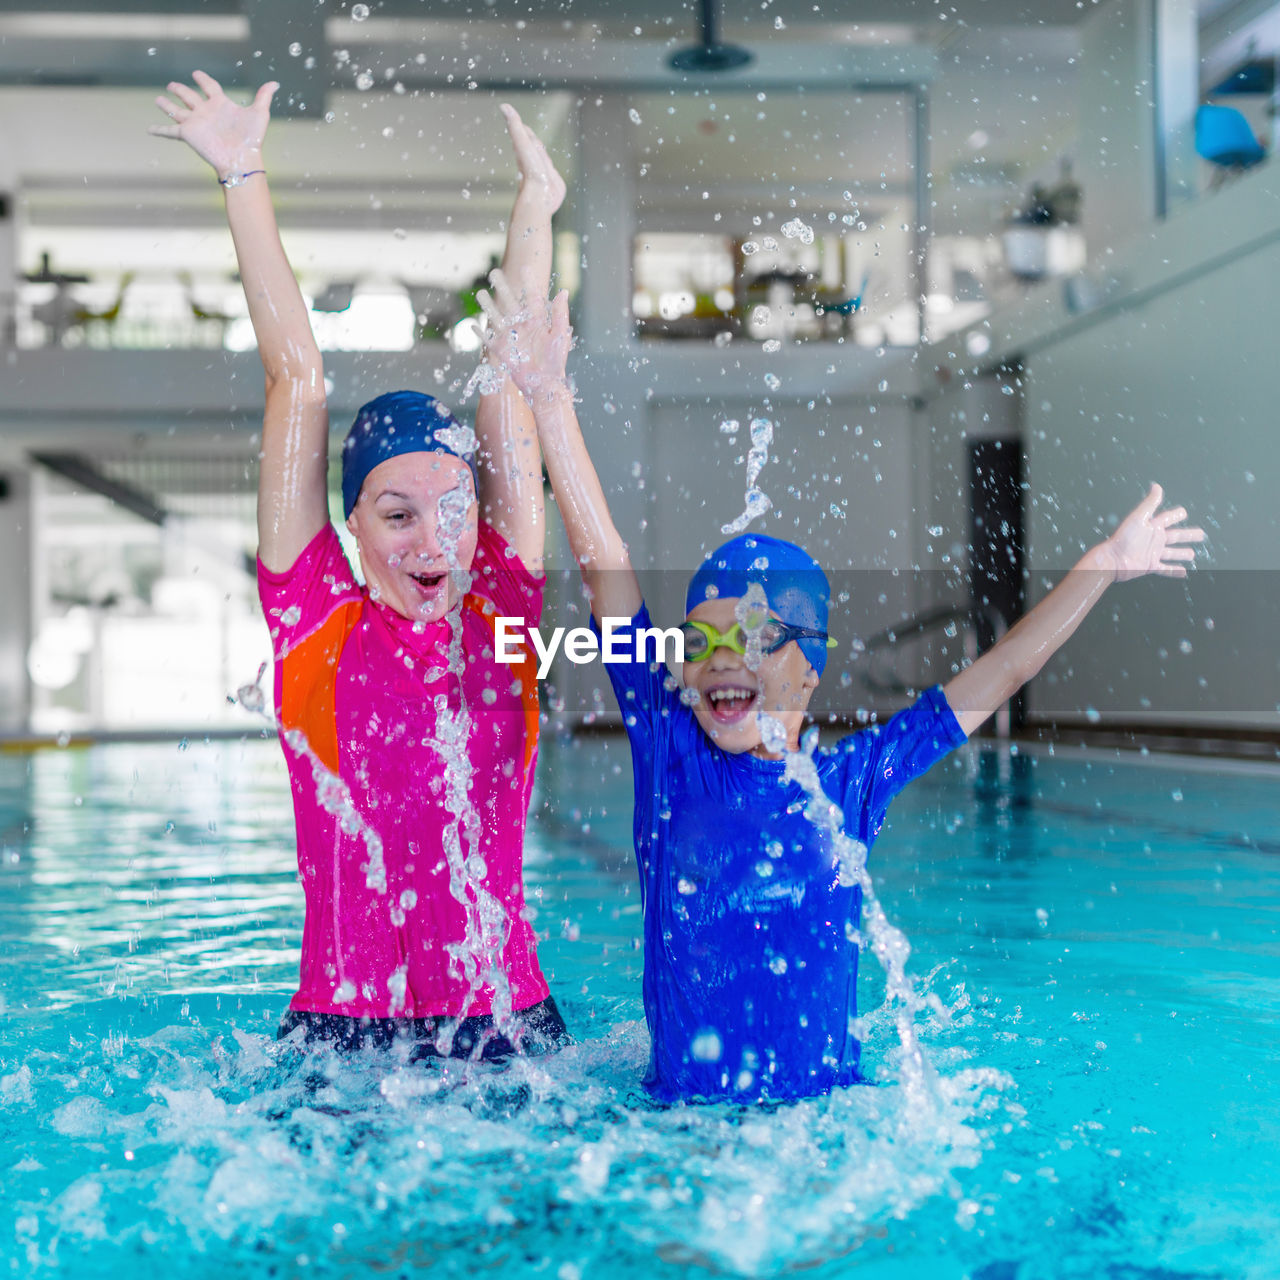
[750,941]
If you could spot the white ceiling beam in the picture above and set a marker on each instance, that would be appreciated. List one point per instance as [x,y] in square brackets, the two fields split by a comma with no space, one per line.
[488,61]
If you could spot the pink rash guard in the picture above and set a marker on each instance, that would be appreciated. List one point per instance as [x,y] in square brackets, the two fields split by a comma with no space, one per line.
[356,684]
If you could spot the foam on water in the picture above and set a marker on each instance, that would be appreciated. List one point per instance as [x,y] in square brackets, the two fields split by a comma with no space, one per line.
[213,1145]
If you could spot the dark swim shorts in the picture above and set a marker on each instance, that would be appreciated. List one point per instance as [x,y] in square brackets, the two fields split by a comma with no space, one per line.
[538,1029]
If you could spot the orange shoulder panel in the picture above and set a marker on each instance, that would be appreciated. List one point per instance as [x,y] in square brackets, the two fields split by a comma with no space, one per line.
[308,680]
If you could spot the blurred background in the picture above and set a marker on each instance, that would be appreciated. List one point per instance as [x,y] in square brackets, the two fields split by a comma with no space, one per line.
[985,269]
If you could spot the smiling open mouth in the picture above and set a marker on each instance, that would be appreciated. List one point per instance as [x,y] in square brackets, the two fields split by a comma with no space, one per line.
[730,705]
[428,581]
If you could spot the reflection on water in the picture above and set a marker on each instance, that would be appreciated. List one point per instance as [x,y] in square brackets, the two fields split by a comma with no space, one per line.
[1097,946]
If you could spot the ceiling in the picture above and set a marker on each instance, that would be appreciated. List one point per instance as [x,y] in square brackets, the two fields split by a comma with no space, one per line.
[417,142]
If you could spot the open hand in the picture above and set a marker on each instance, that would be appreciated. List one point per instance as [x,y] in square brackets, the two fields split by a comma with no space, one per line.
[1152,541]
[528,342]
[539,178]
[225,135]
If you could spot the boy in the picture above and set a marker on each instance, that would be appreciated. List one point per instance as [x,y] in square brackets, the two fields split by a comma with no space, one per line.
[750,938]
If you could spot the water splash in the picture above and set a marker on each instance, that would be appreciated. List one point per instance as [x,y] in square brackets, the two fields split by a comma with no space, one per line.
[255,1149]
[888,943]
[485,380]
[752,612]
[334,797]
[479,954]
[798,230]
[251,696]
[757,501]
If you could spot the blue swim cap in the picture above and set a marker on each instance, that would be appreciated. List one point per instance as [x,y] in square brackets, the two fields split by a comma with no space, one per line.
[792,580]
[395,423]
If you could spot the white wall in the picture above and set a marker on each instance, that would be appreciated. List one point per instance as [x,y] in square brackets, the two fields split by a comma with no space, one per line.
[1181,390]
[674,479]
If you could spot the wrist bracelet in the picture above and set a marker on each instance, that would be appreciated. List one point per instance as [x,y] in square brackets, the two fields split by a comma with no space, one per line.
[238,179]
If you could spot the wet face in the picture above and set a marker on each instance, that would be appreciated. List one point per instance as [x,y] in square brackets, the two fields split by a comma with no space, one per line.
[731,695]
[415,519]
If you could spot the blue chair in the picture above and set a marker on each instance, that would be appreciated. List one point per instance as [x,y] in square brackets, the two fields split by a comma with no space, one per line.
[1223,137]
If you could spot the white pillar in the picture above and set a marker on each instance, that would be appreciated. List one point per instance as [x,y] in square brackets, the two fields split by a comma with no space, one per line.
[15,591]
[1117,163]
[1177,81]
[8,243]
[1138,95]
[605,205]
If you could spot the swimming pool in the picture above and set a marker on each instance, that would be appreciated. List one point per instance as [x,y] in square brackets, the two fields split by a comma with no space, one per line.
[1100,933]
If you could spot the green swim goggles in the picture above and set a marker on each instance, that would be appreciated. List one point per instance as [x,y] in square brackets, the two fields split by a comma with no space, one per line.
[701,639]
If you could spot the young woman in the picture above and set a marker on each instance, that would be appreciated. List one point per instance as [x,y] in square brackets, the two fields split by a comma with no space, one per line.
[410,749]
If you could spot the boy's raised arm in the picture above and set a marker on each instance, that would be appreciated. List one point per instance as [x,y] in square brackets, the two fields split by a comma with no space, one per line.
[510,461]
[1148,540]
[293,504]
[532,344]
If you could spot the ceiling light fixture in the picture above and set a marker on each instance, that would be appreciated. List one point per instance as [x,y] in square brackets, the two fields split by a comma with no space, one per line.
[711,55]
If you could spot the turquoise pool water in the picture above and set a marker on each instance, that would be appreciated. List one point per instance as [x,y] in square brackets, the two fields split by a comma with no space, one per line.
[1099,934]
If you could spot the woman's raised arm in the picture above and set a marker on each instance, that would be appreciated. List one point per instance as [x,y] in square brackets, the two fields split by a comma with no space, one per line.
[533,349]
[510,460]
[293,503]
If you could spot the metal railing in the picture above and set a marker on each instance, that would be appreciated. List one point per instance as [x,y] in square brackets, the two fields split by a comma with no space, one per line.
[963,620]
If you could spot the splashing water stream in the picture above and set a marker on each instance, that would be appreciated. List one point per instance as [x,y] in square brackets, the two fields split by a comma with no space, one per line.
[756,499]
[480,952]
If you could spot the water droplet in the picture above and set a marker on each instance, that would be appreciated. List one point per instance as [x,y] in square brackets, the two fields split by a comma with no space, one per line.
[686,887]
[1092,715]
[771,346]
[359,12]
[364,80]
[635,116]
[706,1045]
[778,965]
[798,230]
[729,427]
[772,381]
[295,50]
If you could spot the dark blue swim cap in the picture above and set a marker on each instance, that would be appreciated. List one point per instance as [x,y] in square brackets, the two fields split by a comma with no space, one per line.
[395,423]
[792,580]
